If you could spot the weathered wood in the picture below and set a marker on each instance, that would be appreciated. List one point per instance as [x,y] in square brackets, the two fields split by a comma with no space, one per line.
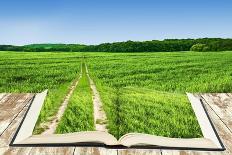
[229,94]
[10,99]
[39,150]
[94,151]
[12,106]
[4,98]
[139,152]
[2,95]
[17,151]
[52,150]
[222,129]
[9,133]
[13,119]
[222,105]
[175,152]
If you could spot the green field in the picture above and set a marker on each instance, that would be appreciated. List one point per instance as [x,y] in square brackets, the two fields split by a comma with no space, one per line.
[141,92]
[149,89]
[35,72]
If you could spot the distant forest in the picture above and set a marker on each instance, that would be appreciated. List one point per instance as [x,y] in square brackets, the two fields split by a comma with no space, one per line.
[167,45]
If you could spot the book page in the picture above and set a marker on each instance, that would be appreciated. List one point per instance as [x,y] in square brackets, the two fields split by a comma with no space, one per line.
[79,137]
[137,139]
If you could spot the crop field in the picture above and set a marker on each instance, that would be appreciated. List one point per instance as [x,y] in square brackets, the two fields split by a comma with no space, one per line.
[145,92]
[35,72]
[141,92]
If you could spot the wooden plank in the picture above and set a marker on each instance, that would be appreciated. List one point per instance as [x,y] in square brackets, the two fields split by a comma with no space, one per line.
[11,108]
[15,150]
[4,98]
[229,94]
[94,151]
[140,152]
[52,150]
[222,130]
[2,95]
[176,152]
[222,105]
[9,133]
[13,120]
[40,150]
[10,99]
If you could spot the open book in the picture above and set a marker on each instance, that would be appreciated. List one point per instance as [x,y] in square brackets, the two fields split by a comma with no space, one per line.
[24,137]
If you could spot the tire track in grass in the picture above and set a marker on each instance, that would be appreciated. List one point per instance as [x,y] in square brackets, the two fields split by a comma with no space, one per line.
[54,123]
[99,113]
[84,111]
[78,115]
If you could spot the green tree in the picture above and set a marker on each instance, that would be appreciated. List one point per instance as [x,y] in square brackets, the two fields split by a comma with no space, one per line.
[200,47]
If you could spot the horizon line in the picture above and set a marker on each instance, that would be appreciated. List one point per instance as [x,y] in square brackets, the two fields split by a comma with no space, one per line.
[70,43]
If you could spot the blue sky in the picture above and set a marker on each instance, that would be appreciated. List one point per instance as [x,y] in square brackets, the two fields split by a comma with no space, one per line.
[98,21]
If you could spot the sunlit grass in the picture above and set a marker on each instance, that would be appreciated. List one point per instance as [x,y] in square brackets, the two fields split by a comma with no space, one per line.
[78,116]
[145,92]
[141,92]
[35,72]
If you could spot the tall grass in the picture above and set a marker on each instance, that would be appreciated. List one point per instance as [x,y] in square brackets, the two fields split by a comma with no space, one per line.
[157,113]
[152,89]
[35,72]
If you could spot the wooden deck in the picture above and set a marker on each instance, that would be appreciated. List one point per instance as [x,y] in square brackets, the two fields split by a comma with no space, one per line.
[14,106]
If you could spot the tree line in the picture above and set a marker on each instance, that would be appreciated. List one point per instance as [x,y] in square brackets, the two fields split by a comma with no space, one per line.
[167,45]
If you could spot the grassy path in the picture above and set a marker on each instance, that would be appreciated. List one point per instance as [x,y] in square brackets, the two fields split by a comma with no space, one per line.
[53,124]
[78,115]
[84,111]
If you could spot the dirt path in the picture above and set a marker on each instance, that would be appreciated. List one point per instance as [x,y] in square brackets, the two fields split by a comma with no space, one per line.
[53,124]
[99,114]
